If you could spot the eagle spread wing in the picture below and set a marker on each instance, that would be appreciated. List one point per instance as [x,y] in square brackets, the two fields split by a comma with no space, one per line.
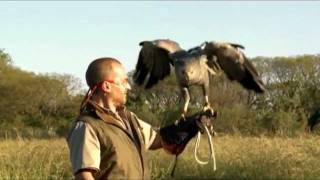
[154,61]
[234,63]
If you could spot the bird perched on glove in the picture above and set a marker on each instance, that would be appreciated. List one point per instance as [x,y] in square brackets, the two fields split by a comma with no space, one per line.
[194,66]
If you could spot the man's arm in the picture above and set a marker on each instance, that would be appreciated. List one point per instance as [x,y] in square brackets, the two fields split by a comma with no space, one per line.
[173,138]
[84,175]
[156,144]
[84,151]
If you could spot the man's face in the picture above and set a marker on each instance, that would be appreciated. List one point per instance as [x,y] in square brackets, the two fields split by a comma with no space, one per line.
[119,86]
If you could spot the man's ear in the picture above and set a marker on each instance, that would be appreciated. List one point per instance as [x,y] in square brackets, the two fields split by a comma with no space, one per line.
[106,87]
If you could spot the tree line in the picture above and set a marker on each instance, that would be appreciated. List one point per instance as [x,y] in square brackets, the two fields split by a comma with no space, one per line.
[32,104]
[44,105]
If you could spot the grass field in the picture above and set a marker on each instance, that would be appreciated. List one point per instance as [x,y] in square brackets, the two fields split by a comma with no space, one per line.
[237,158]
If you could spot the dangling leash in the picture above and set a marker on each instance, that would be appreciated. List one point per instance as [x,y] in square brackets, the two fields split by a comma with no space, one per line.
[196,148]
[211,155]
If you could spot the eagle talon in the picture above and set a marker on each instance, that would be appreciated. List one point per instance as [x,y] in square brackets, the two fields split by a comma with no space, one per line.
[208,108]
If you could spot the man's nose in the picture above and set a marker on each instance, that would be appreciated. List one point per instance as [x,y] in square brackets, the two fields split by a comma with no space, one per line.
[128,86]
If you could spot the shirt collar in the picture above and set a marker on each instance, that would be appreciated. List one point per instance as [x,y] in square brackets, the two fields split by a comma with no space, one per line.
[107,115]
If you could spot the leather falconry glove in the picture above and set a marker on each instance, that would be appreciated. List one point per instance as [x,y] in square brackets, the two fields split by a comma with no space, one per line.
[176,137]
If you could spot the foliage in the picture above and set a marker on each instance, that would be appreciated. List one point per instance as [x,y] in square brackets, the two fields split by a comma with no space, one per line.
[293,93]
[43,101]
[44,105]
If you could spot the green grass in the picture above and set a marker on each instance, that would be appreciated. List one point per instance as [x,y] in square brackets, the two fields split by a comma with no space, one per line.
[34,159]
[237,158]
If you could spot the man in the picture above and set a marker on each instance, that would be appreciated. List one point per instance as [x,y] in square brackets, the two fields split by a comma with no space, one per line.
[107,141]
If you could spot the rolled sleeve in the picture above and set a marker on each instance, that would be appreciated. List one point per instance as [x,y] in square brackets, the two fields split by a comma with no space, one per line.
[149,134]
[84,147]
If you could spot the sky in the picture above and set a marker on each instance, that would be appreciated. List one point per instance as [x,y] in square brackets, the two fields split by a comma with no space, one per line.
[64,37]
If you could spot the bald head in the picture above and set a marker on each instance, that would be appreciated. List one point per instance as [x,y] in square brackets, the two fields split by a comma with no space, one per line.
[100,70]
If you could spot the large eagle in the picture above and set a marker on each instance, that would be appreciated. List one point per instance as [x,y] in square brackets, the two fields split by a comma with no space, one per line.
[194,66]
